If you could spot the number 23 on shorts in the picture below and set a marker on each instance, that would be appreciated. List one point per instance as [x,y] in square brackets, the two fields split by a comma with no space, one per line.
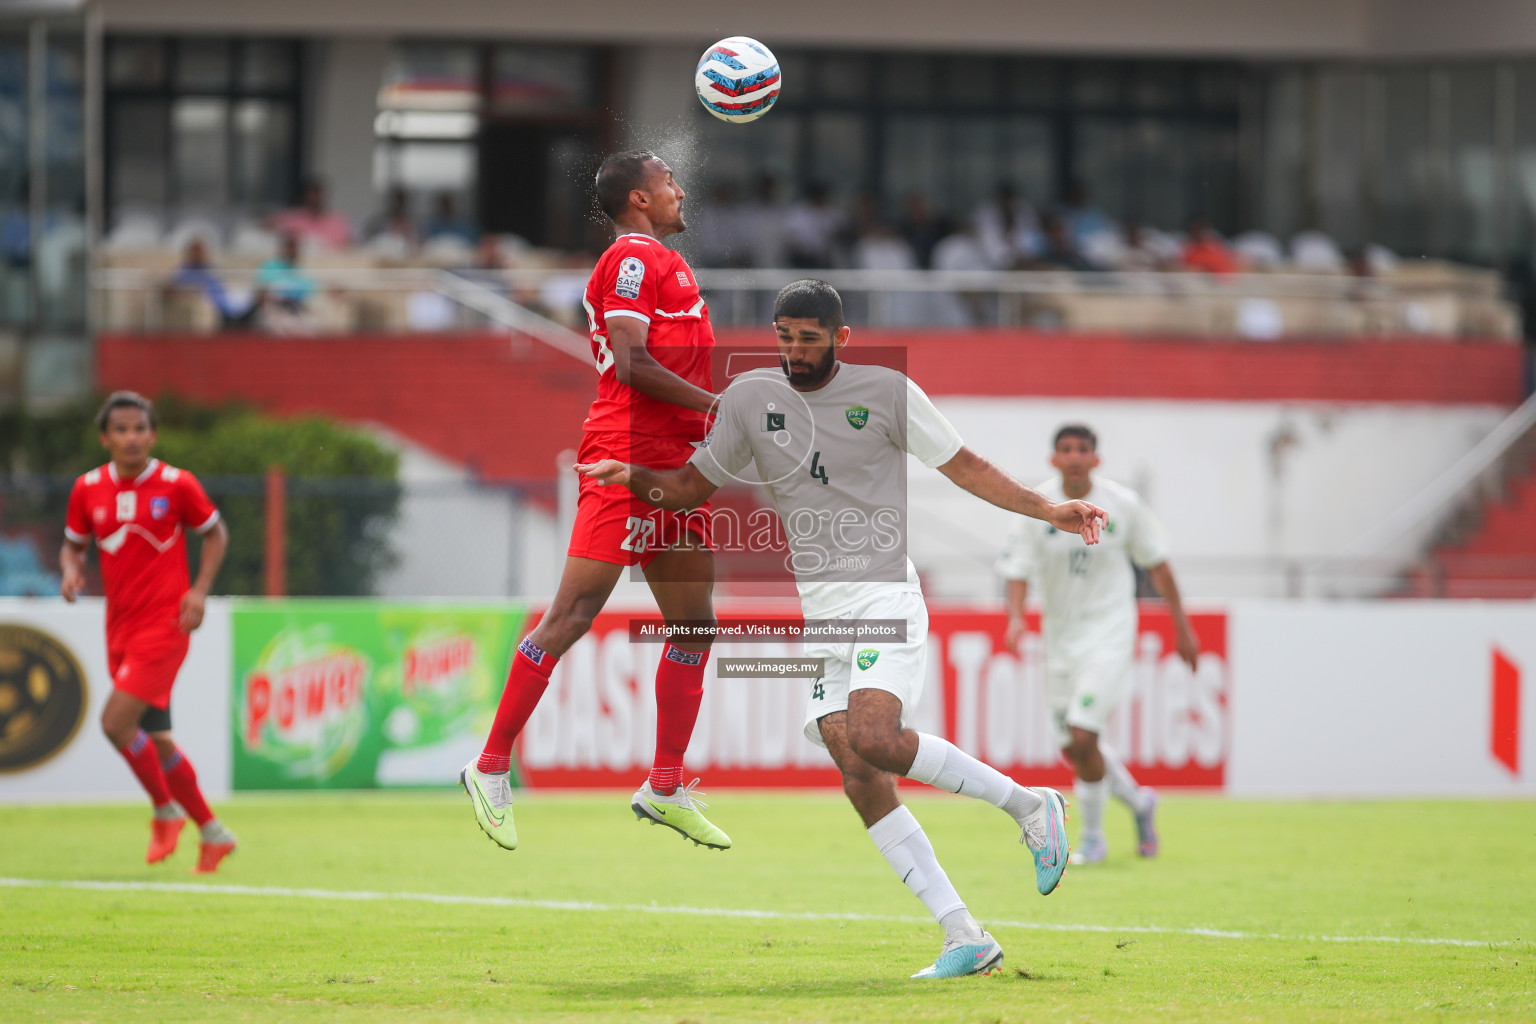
[642,532]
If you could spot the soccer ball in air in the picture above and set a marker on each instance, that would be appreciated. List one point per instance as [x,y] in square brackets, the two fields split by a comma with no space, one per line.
[737,79]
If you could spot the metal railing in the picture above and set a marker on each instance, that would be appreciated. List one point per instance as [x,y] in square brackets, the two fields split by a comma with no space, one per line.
[1426,509]
[1443,301]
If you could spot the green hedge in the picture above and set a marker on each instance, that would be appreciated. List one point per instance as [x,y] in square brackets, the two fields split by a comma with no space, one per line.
[343,495]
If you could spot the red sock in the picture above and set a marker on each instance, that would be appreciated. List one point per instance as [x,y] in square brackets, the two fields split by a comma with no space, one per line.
[531,666]
[182,781]
[141,757]
[679,689]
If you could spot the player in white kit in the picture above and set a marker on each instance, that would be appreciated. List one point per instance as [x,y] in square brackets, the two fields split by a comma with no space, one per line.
[829,441]
[1090,629]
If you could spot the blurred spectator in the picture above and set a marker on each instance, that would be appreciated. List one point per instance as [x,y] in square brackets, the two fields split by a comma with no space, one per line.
[489,254]
[312,223]
[1140,253]
[879,247]
[1008,229]
[445,222]
[811,229]
[1358,262]
[281,284]
[921,227]
[392,231]
[196,277]
[1204,250]
[1086,224]
[715,229]
[959,253]
[561,296]
[762,224]
[1313,252]
[1259,250]
[1060,251]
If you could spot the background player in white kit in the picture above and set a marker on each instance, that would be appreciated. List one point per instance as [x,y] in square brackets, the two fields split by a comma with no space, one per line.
[829,441]
[1090,629]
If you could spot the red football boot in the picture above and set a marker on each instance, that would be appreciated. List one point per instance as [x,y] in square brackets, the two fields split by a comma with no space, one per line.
[164,834]
[210,854]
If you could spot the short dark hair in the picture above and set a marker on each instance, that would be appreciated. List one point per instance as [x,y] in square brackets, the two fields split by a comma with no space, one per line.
[811,299]
[620,175]
[124,400]
[1077,430]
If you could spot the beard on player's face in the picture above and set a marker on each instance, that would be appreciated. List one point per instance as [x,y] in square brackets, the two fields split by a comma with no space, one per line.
[805,372]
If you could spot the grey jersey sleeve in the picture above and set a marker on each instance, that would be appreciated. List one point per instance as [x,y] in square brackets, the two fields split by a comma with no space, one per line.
[727,448]
[931,437]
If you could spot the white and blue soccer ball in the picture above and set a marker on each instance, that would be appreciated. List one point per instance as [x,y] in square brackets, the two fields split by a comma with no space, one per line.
[738,79]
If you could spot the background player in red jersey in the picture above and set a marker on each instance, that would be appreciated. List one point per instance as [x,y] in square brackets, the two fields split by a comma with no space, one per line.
[652,342]
[138,510]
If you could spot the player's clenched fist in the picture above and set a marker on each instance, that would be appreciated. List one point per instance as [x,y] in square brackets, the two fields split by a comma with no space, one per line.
[1079,517]
[607,472]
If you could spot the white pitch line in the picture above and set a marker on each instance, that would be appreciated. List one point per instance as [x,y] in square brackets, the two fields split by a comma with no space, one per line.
[360,895]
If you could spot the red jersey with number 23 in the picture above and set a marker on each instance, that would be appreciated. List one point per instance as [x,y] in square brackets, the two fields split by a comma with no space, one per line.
[640,278]
[140,530]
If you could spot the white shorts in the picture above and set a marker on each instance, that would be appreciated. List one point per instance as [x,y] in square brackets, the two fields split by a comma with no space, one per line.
[899,668]
[1084,691]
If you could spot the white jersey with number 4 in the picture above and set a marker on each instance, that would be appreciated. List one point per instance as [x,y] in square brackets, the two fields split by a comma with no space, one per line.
[1089,592]
[834,462]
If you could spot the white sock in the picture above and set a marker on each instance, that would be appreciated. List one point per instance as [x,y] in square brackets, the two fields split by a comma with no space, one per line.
[901,841]
[1121,785]
[940,763]
[1090,805]
[213,831]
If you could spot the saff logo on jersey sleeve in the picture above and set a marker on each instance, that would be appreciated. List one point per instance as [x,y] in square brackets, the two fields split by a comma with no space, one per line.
[631,273]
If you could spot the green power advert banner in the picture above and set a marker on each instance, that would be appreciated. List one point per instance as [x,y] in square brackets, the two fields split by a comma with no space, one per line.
[349,695]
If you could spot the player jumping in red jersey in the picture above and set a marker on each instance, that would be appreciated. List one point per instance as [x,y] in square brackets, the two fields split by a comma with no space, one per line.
[138,509]
[652,342]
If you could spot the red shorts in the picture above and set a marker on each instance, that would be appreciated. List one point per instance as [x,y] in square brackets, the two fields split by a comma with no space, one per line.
[612,525]
[144,663]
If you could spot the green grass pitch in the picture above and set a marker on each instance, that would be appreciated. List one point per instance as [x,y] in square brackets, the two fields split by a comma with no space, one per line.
[1315,900]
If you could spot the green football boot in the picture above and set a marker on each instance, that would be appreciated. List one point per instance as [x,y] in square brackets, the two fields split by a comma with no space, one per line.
[491,796]
[679,811]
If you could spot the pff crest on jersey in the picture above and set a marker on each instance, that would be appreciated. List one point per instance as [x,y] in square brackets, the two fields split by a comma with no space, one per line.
[858,416]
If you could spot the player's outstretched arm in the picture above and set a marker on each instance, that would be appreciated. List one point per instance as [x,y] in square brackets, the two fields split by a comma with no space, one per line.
[987,481]
[675,489]
[634,365]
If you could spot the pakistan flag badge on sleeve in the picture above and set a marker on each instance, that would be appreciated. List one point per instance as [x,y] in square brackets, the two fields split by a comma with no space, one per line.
[867,658]
[858,416]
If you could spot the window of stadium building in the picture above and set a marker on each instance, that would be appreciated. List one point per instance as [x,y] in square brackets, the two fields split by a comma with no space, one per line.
[200,129]
[1150,141]
[457,121]
[42,281]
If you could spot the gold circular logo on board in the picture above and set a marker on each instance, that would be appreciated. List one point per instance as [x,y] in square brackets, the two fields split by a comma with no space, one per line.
[42,697]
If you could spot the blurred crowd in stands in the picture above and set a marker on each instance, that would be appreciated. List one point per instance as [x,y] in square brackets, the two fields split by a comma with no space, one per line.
[290,273]
[1005,233]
